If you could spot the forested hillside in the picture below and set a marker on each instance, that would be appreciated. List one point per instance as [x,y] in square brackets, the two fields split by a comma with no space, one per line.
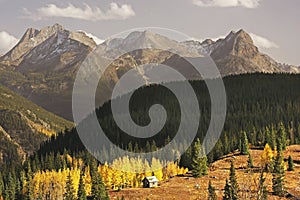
[23,126]
[256,103]
[264,108]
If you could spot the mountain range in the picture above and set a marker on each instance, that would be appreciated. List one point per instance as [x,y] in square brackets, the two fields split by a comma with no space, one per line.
[42,66]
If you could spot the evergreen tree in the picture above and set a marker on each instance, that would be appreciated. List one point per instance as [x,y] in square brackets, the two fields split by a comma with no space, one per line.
[153,146]
[227,191]
[250,161]
[98,188]
[211,192]
[129,147]
[244,144]
[233,182]
[69,195]
[282,136]
[29,189]
[262,193]
[199,160]
[81,189]
[278,175]
[10,190]
[23,181]
[290,164]
[270,138]
[148,147]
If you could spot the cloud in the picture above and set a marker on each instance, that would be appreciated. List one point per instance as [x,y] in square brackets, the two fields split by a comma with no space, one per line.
[7,42]
[262,42]
[115,12]
[95,38]
[227,3]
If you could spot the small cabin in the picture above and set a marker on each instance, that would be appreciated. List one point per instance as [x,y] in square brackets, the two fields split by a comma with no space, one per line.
[150,182]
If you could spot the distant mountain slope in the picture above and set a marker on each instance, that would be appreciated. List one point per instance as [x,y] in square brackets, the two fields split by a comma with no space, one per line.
[24,125]
[43,65]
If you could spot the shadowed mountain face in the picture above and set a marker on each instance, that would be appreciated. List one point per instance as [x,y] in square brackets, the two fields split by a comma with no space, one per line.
[42,66]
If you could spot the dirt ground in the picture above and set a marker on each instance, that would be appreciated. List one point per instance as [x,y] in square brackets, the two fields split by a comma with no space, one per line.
[183,188]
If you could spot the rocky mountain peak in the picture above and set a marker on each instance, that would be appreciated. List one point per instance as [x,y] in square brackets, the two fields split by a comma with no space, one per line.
[207,42]
[42,40]
[236,44]
[242,45]
[52,29]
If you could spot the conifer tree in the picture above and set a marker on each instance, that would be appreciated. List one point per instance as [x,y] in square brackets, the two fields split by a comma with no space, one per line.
[233,182]
[250,161]
[23,181]
[69,195]
[29,189]
[81,189]
[98,188]
[227,191]
[270,137]
[148,147]
[244,144]
[199,160]
[290,164]
[282,136]
[153,146]
[278,175]
[211,192]
[10,189]
[262,193]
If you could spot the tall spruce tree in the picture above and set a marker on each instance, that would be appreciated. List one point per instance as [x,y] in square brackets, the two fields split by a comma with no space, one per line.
[81,189]
[282,136]
[69,195]
[244,144]
[10,189]
[278,175]
[199,160]
[211,192]
[29,188]
[270,137]
[233,182]
[262,193]
[98,188]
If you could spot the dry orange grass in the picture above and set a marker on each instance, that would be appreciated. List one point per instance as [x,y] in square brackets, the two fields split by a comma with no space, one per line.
[183,188]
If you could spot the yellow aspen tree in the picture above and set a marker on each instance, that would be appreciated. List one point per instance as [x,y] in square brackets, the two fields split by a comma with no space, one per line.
[75,175]
[147,168]
[267,157]
[157,169]
[87,179]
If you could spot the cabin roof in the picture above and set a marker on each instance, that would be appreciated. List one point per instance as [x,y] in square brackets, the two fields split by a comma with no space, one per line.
[152,179]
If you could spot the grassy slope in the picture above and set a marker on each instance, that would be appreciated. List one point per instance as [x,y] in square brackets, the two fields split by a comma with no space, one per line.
[184,187]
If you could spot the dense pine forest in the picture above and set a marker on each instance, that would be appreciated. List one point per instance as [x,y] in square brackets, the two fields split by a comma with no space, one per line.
[256,103]
[261,109]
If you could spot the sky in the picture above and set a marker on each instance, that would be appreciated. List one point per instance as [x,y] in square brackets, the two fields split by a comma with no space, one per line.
[272,24]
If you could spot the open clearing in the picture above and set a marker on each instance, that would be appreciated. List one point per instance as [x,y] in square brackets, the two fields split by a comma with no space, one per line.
[184,187]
